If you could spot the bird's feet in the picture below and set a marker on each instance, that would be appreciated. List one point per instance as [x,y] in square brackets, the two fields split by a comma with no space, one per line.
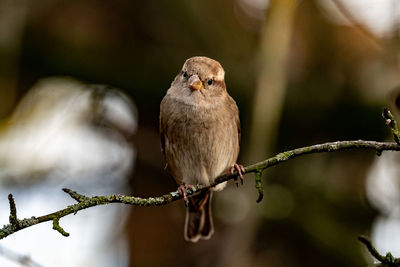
[240,170]
[182,191]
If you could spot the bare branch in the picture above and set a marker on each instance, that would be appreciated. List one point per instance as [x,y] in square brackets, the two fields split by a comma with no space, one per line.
[85,202]
[57,227]
[385,261]
[13,212]
[75,195]
[259,187]
[392,123]
[371,248]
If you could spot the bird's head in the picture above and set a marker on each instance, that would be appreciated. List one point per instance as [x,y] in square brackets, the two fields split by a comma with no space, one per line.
[201,76]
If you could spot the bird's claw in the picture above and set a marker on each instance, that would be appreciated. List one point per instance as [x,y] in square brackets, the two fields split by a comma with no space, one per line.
[240,170]
[182,191]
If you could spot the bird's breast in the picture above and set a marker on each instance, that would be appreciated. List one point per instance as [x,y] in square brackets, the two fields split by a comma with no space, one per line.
[202,143]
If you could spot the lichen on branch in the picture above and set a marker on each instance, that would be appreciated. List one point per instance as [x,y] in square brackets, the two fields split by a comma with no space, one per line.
[84,202]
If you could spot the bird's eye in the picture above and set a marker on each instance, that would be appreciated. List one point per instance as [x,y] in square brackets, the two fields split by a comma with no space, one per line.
[210,81]
[185,74]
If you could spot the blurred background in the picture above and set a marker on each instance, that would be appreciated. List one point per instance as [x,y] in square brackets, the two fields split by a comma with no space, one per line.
[80,88]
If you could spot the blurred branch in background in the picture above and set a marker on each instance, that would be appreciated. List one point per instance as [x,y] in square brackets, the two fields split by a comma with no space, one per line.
[271,61]
[349,16]
[13,15]
[23,260]
[65,133]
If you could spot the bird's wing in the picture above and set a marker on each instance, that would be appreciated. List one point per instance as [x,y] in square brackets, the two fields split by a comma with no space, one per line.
[237,120]
[165,138]
[235,110]
[163,132]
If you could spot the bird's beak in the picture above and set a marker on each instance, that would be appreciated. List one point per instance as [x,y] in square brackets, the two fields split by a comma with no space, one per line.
[195,83]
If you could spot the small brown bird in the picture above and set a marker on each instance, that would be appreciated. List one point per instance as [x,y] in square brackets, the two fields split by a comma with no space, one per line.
[200,134]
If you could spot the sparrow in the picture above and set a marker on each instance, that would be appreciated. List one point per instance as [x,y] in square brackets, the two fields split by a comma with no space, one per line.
[200,138]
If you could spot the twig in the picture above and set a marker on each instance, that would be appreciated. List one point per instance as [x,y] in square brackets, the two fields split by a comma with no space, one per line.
[259,186]
[85,202]
[371,248]
[57,227]
[13,212]
[75,195]
[385,261]
[392,123]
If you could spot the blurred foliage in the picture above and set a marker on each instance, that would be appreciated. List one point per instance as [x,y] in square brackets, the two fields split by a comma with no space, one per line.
[336,80]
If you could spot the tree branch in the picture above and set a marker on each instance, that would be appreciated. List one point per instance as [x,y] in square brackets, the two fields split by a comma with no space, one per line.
[392,123]
[13,212]
[85,202]
[385,261]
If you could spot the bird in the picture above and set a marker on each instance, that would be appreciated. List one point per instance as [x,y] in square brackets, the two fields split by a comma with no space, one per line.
[200,138]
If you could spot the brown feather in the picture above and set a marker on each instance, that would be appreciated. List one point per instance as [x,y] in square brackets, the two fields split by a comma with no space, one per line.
[200,135]
[198,223]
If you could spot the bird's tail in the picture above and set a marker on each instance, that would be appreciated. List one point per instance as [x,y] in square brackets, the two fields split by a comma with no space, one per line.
[199,223]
